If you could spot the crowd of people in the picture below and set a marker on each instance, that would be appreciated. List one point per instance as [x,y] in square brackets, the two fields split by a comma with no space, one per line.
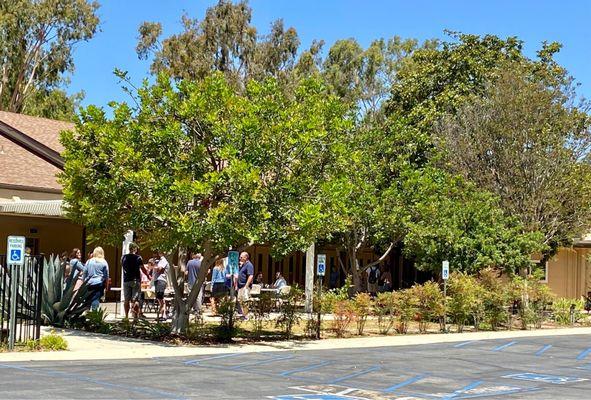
[153,276]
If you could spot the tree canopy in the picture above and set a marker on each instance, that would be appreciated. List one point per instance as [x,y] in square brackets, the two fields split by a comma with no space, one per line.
[36,53]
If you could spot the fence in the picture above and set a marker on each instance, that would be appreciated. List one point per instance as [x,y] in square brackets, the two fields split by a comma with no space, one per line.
[20,299]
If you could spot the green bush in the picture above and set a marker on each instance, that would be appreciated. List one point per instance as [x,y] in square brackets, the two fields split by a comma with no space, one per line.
[362,306]
[96,321]
[561,309]
[260,309]
[532,298]
[53,342]
[226,331]
[465,301]
[405,304]
[429,303]
[495,297]
[289,310]
[385,310]
[344,315]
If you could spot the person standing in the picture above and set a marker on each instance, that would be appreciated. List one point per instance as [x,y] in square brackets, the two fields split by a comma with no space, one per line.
[373,276]
[132,265]
[76,266]
[218,284]
[96,274]
[160,284]
[245,278]
[193,267]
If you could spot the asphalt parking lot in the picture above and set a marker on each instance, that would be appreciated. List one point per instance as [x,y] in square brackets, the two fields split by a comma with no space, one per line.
[547,367]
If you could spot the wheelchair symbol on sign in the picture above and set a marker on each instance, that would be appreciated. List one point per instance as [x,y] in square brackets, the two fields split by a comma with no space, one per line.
[15,255]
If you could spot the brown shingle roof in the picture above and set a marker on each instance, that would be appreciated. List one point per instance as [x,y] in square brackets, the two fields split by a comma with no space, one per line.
[46,131]
[19,166]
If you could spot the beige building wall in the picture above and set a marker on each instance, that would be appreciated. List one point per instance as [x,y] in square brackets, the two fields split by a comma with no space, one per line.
[8,194]
[569,273]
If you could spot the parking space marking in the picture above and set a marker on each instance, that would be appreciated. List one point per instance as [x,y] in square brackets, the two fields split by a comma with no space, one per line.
[355,374]
[99,382]
[458,392]
[404,383]
[543,350]
[504,346]
[307,368]
[197,362]
[262,362]
[498,393]
[584,354]
[464,343]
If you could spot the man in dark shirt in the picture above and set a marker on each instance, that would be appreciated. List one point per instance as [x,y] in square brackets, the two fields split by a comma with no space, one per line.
[132,263]
[245,278]
[193,267]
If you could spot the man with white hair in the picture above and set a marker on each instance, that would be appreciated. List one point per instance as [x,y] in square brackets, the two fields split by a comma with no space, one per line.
[245,277]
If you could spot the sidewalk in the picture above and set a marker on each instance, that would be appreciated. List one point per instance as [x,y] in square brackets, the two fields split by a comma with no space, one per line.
[93,346]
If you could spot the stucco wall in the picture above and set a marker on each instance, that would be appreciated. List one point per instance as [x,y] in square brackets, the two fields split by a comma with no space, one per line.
[568,273]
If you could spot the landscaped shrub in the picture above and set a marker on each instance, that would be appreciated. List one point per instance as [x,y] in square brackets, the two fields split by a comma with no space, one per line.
[405,304]
[363,307]
[260,309]
[561,309]
[53,342]
[495,297]
[96,321]
[465,299]
[226,331]
[344,315]
[429,303]
[289,310]
[385,310]
[531,298]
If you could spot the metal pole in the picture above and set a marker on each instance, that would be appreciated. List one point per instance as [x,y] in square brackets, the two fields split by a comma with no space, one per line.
[445,306]
[39,300]
[319,307]
[12,321]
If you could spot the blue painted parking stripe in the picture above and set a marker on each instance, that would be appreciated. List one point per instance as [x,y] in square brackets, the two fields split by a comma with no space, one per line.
[404,383]
[261,362]
[500,393]
[464,343]
[353,375]
[307,368]
[543,350]
[584,354]
[196,362]
[458,392]
[504,346]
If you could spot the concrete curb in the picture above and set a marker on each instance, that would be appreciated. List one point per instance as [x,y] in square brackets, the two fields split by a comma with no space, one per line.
[92,346]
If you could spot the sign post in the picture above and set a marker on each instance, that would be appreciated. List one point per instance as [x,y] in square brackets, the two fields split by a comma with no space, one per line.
[445,277]
[15,250]
[320,271]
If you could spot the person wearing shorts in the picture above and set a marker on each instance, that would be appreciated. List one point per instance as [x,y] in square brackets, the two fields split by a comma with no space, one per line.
[245,278]
[132,265]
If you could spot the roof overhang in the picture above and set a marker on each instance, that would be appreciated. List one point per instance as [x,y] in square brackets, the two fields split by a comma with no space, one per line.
[39,208]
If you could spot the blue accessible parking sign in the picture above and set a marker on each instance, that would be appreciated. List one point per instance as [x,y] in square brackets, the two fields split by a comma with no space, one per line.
[553,379]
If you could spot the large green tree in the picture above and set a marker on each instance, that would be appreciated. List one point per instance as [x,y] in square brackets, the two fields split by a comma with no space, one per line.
[525,142]
[200,165]
[36,53]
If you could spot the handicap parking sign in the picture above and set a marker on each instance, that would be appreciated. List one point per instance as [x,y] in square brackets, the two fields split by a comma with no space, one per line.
[15,255]
[552,379]
[321,265]
[15,247]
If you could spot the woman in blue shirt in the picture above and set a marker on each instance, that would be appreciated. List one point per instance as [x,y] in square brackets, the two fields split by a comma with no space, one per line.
[218,284]
[96,275]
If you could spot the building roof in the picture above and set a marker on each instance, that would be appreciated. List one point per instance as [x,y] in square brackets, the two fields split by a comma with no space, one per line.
[47,208]
[29,152]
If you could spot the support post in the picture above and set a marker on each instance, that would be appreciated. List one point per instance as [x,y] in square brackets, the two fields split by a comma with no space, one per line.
[309,287]
[318,329]
[445,306]
[12,323]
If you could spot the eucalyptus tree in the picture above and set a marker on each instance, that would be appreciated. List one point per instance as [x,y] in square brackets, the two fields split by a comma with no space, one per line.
[36,53]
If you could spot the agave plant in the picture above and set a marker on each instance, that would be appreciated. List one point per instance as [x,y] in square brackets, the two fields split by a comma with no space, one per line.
[61,301]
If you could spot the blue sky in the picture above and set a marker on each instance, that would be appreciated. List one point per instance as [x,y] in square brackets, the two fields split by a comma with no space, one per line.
[568,22]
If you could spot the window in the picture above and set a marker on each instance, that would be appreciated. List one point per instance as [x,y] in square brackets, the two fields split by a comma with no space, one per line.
[536,266]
